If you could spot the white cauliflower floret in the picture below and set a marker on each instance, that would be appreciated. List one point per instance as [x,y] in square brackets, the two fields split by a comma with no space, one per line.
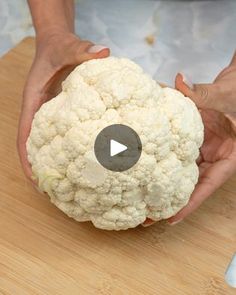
[97,94]
[184,121]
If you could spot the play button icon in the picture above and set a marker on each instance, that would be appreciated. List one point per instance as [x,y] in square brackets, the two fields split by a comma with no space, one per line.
[117,147]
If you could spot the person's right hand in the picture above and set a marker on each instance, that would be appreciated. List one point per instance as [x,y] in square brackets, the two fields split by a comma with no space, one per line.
[56,55]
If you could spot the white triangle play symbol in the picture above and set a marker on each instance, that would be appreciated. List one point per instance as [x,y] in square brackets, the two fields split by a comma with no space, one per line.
[116,147]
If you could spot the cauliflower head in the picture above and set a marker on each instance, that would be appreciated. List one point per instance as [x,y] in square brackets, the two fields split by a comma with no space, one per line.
[99,93]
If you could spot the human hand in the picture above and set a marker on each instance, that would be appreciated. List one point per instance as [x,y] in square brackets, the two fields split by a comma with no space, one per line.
[57,54]
[217,161]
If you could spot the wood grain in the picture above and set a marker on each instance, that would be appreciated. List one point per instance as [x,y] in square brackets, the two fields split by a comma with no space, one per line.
[43,252]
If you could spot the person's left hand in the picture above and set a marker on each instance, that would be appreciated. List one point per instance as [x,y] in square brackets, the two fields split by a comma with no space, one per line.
[217,160]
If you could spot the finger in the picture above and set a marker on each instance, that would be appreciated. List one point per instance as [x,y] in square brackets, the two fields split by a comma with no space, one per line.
[86,51]
[93,54]
[33,98]
[205,96]
[148,222]
[199,159]
[29,107]
[81,51]
[31,103]
[212,179]
[23,133]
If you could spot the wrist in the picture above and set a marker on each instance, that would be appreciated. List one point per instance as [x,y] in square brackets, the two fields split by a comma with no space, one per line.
[52,16]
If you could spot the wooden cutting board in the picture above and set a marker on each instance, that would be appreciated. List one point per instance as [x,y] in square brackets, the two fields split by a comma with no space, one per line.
[43,252]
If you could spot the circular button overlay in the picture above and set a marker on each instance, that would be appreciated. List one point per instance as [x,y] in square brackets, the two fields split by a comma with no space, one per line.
[117,147]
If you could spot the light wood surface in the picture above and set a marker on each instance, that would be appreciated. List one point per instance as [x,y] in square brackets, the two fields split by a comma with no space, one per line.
[43,252]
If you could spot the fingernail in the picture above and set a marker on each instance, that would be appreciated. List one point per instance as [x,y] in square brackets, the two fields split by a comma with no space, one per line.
[148,222]
[175,222]
[187,81]
[146,225]
[96,48]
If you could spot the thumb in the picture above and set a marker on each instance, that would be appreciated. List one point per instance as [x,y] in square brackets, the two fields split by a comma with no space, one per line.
[205,96]
[87,51]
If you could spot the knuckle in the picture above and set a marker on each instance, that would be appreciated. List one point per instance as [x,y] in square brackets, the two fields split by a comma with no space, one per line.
[83,46]
[86,43]
[203,95]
